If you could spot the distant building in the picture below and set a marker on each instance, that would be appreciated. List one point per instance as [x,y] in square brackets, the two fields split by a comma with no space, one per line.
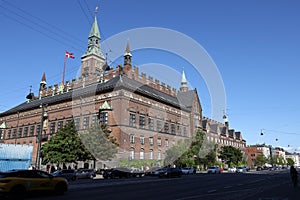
[145,116]
[253,151]
[295,157]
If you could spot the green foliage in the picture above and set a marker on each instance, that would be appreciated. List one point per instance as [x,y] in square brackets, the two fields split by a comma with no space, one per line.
[231,155]
[65,147]
[192,152]
[99,143]
[290,162]
[137,163]
[260,160]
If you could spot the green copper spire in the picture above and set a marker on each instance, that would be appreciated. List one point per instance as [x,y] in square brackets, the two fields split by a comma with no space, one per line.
[94,42]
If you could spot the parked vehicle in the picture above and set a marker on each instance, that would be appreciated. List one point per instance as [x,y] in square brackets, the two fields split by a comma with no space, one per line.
[170,172]
[121,172]
[232,169]
[137,172]
[85,174]
[69,174]
[241,170]
[17,183]
[259,168]
[188,170]
[213,170]
[154,171]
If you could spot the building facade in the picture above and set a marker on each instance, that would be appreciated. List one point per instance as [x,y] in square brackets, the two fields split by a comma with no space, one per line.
[145,116]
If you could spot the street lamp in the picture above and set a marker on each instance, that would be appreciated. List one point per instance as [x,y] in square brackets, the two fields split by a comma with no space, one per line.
[39,137]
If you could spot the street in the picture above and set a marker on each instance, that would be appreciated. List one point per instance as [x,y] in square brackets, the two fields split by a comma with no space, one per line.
[251,185]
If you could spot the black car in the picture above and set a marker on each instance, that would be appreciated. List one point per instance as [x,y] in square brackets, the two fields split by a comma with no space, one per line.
[117,173]
[259,168]
[170,172]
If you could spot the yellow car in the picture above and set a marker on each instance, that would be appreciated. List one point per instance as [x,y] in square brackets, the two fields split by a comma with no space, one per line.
[16,183]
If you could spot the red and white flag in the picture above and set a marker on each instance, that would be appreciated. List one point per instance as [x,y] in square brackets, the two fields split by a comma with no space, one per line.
[69,55]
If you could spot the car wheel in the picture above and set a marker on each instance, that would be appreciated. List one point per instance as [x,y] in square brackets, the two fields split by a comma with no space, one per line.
[60,188]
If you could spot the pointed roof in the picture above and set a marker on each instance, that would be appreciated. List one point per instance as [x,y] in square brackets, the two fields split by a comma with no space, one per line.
[127,50]
[43,80]
[95,30]
[184,86]
[94,42]
[183,79]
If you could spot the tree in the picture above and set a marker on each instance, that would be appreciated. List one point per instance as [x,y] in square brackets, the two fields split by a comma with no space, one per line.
[65,147]
[230,155]
[191,152]
[260,160]
[99,143]
[290,161]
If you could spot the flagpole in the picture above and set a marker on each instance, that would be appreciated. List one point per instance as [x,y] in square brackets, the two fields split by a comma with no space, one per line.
[63,75]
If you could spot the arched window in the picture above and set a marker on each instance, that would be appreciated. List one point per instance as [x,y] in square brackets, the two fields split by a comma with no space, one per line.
[131,155]
[142,154]
[151,154]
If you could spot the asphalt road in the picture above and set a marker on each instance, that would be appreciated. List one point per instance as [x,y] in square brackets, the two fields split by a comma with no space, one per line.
[249,186]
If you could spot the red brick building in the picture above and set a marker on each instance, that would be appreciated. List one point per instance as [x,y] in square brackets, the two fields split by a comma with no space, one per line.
[146,116]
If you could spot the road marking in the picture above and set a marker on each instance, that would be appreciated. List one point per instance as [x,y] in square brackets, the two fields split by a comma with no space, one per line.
[226,187]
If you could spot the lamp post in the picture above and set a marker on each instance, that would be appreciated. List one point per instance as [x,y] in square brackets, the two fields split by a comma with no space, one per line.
[39,137]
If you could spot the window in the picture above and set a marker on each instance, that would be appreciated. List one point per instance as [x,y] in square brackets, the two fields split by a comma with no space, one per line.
[103,117]
[132,120]
[173,129]
[159,125]
[8,134]
[52,128]
[38,129]
[68,121]
[25,133]
[151,154]
[166,142]
[131,155]
[159,141]
[142,154]
[159,155]
[151,140]
[150,124]
[179,130]
[166,127]
[14,133]
[77,123]
[86,121]
[20,132]
[142,139]
[59,125]
[142,122]
[1,134]
[131,138]
[31,133]
[184,131]
[95,119]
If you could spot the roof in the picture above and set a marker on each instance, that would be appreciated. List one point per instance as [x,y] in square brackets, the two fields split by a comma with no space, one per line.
[186,98]
[117,82]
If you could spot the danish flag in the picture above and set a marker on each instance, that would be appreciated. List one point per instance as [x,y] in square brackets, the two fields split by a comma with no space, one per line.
[69,55]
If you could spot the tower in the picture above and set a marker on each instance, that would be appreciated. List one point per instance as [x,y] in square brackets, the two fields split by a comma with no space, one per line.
[43,84]
[184,86]
[92,61]
[127,55]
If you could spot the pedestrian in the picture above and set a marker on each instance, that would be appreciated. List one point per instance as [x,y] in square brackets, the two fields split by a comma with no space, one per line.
[294,176]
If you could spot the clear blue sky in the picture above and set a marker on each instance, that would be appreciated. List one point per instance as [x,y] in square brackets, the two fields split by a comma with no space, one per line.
[255,45]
